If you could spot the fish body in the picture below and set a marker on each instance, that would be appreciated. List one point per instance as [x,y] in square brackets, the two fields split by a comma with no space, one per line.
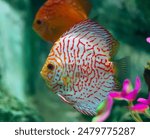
[56,16]
[83,73]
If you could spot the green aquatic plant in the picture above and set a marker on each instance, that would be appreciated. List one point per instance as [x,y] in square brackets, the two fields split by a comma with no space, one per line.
[13,110]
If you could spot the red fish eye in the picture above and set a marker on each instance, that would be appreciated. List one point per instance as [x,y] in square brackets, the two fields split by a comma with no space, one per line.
[50,66]
[39,22]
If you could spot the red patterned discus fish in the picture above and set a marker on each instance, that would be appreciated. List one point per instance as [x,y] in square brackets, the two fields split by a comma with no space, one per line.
[78,68]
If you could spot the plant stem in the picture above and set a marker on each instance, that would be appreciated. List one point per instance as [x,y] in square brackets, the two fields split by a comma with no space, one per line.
[147,114]
[135,115]
[138,116]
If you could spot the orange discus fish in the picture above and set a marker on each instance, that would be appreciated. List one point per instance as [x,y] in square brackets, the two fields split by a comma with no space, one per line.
[56,16]
[79,67]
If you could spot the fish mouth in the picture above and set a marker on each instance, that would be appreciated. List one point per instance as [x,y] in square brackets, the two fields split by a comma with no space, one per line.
[35,27]
[47,80]
[47,76]
[42,74]
[40,31]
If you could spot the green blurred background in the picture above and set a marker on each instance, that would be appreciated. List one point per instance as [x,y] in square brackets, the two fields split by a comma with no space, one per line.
[23,94]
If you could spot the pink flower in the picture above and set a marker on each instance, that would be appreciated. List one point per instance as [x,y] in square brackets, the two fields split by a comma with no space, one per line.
[142,106]
[127,93]
[148,39]
[144,101]
[103,111]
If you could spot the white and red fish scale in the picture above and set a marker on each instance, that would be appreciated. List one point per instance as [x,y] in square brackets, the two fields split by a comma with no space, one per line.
[84,53]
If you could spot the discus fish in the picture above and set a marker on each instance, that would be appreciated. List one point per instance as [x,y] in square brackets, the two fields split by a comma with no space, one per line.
[56,16]
[79,67]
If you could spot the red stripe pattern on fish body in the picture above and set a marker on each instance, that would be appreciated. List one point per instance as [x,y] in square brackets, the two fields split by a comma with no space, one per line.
[84,53]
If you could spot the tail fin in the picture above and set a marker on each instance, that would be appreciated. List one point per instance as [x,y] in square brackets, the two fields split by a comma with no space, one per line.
[122,67]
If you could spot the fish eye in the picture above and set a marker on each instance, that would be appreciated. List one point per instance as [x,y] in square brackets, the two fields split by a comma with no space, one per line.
[39,22]
[50,66]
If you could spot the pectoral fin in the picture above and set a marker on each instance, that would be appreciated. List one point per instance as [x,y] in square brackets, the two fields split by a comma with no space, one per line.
[66,80]
[65,100]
